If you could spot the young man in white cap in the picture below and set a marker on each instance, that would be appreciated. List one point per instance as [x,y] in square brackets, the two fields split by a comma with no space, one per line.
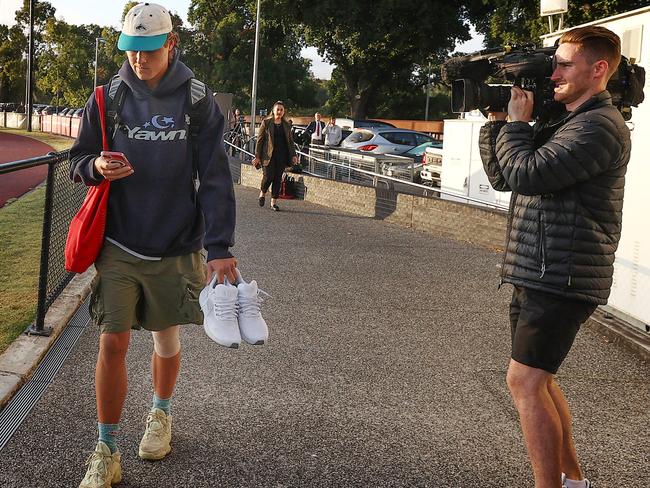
[150,271]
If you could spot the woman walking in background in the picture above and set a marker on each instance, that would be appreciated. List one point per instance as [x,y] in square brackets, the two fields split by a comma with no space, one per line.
[274,151]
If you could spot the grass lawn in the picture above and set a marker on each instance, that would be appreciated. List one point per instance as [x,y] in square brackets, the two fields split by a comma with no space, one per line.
[21,225]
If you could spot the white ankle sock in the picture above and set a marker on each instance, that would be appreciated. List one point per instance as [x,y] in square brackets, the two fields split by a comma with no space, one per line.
[569,483]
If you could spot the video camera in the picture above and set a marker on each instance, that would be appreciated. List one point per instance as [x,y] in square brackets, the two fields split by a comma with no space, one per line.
[530,69]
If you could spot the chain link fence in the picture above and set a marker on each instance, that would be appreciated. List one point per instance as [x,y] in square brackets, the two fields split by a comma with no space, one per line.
[62,200]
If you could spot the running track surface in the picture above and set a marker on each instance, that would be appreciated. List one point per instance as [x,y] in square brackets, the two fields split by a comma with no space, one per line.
[15,148]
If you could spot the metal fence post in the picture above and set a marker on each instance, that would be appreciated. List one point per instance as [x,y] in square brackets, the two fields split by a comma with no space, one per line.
[37,328]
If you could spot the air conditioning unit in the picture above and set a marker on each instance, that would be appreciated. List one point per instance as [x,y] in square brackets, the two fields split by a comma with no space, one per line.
[553,7]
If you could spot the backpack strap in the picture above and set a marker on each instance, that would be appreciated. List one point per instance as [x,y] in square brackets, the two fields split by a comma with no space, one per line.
[197,101]
[116,94]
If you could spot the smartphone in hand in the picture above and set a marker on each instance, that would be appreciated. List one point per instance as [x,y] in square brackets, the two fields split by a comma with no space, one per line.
[116,157]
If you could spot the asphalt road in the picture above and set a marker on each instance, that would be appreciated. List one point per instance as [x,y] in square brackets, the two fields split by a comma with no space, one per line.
[386,367]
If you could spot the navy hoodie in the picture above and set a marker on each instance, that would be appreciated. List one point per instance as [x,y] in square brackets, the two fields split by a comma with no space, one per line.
[152,211]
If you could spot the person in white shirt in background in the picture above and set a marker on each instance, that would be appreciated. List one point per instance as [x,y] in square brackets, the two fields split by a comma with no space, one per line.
[332,133]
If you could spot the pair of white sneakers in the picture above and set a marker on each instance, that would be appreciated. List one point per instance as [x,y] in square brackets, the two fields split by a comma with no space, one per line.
[231,312]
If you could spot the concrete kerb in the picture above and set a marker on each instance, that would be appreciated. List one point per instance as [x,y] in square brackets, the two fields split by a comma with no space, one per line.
[619,332]
[22,357]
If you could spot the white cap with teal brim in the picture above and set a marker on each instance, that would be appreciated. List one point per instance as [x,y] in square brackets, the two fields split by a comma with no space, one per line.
[146,27]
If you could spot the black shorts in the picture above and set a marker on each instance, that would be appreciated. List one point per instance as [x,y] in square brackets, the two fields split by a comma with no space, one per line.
[543,327]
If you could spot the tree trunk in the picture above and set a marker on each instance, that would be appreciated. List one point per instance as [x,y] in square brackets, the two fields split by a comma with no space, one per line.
[359,92]
[359,107]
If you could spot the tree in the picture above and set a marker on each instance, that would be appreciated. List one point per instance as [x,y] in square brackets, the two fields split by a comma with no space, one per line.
[514,22]
[374,42]
[13,64]
[220,51]
[66,67]
[14,46]
[402,96]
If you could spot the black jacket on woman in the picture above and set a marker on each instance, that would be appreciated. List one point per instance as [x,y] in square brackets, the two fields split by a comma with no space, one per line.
[567,180]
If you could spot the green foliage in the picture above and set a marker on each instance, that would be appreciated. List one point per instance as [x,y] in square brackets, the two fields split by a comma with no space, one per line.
[514,22]
[376,45]
[221,49]
[66,66]
[13,49]
[400,97]
[13,65]
[128,6]
[378,49]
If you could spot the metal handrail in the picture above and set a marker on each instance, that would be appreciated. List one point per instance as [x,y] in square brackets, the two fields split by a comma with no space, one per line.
[50,158]
[373,174]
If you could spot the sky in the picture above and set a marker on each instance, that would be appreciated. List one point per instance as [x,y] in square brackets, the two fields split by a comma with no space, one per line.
[105,13]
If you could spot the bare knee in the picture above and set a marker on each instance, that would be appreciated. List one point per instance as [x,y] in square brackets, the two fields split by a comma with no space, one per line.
[167,342]
[524,381]
[114,346]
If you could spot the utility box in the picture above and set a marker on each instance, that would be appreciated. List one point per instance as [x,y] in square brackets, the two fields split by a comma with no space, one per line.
[462,168]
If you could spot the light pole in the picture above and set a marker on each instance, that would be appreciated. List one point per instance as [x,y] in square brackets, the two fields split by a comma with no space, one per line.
[426,107]
[97,41]
[30,67]
[254,91]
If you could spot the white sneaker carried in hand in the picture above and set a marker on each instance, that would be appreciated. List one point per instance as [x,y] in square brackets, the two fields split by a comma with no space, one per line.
[219,306]
[252,325]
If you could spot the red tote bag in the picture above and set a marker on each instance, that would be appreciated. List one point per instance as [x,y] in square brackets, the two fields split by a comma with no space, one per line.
[86,233]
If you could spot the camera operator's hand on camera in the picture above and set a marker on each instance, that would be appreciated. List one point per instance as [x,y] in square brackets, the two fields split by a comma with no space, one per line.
[520,106]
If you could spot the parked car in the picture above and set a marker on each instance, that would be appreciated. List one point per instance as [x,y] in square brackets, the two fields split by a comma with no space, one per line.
[413,164]
[431,166]
[78,113]
[350,124]
[418,152]
[385,140]
[300,136]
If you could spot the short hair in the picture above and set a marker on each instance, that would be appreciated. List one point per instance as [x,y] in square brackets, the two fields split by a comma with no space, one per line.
[597,43]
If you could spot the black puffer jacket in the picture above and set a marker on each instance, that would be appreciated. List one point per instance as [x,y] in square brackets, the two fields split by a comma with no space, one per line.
[567,179]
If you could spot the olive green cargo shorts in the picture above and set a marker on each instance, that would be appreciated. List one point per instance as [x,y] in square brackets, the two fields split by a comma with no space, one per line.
[130,293]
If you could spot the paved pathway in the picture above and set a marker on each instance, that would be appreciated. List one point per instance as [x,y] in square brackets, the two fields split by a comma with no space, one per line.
[14,148]
[386,367]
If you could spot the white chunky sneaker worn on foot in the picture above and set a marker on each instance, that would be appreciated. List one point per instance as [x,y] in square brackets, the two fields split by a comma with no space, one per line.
[219,306]
[252,326]
[157,438]
[104,468]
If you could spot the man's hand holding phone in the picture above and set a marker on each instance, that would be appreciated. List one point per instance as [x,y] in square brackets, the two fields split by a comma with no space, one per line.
[113,165]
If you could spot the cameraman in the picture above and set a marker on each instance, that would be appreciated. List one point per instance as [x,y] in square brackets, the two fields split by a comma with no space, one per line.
[567,179]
